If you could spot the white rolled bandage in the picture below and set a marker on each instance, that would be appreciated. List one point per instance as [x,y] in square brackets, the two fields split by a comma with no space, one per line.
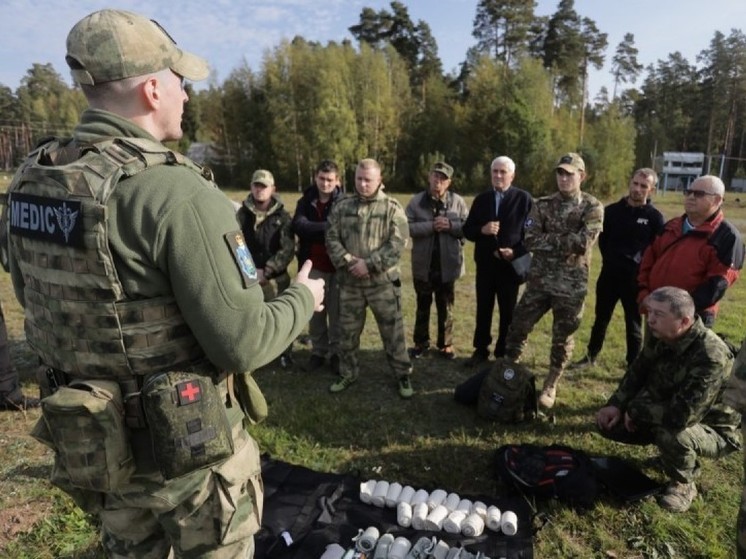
[452,502]
[452,524]
[419,497]
[493,519]
[399,548]
[509,523]
[464,506]
[366,490]
[382,547]
[472,526]
[440,551]
[367,540]
[333,551]
[404,515]
[434,520]
[392,495]
[480,508]
[436,498]
[419,514]
[406,494]
[379,494]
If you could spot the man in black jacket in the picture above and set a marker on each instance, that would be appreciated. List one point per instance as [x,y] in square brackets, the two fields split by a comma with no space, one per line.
[310,225]
[495,224]
[630,225]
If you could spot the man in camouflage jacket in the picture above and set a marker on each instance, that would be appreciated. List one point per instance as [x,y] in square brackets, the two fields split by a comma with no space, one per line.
[560,232]
[672,395]
[367,233]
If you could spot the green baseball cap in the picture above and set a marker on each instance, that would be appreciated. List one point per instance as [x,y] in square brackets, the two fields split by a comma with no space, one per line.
[443,168]
[571,162]
[111,45]
[264,177]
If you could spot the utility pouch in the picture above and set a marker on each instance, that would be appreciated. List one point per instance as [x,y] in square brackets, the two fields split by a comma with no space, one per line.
[250,398]
[84,424]
[187,422]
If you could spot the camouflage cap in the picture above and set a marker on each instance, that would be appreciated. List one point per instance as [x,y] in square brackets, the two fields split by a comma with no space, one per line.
[111,45]
[443,168]
[571,162]
[264,177]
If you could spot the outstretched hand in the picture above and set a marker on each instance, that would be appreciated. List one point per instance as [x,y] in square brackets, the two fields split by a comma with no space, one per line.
[315,285]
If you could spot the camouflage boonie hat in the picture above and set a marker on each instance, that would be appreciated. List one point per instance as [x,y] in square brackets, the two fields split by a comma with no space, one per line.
[443,168]
[571,162]
[111,45]
[264,177]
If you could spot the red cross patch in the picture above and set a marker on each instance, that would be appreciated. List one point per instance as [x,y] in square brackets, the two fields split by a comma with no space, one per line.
[189,392]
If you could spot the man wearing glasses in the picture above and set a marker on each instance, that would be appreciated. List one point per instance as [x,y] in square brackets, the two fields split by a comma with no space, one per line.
[560,232]
[700,251]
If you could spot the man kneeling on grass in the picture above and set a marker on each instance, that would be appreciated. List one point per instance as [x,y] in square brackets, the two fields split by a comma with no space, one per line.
[671,395]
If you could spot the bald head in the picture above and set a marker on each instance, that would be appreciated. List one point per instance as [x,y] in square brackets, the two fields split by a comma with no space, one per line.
[710,183]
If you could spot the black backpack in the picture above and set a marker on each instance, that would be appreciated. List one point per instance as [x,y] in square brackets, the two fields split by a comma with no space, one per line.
[508,393]
[553,471]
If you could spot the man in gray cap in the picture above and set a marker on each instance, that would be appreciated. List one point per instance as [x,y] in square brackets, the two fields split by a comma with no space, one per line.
[139,291]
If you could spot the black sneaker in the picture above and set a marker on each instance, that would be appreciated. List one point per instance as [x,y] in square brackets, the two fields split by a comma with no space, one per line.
[405,387]
[477,358]
[584,363]
[315,362]
[417,351]
[18,404]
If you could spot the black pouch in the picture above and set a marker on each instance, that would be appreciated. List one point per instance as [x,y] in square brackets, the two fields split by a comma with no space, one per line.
[187,422]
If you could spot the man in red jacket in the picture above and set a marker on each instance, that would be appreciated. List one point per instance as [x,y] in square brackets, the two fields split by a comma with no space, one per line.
[699,251]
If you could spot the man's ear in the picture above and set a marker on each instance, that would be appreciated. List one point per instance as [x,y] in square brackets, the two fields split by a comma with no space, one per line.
[150,91]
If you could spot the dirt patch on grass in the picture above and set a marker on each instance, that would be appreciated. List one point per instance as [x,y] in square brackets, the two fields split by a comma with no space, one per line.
[20,519]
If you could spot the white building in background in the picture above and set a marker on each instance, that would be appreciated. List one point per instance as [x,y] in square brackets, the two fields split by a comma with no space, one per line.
[677,169]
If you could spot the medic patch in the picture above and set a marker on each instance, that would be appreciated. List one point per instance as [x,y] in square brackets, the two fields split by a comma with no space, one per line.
[508,374]
[46,219]
[242,256]
[190,392]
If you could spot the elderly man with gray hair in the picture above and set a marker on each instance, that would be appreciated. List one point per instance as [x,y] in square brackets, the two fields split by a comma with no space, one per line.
[672,395]
[495,225]
[700,251]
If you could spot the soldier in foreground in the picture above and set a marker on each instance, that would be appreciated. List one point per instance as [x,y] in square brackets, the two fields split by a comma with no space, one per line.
[560,232]
[672,396]
[140,294]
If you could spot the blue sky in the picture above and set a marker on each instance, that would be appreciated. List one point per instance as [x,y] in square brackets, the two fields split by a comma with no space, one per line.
[229,33]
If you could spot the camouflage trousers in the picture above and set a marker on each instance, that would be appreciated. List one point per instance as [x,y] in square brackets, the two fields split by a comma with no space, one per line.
[566,312]
[210,513]
[385,302]
[443,293]
[9,386]
[324,326]
[679,450]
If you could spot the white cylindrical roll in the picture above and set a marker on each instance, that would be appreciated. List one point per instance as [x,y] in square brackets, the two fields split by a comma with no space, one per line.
[399,548]
[493,518]
[509,523]
[382,547]
[436,498]
[404,515]
[452,524]
[464,506]
[440,551]
[419,497]
[333,551]
[366,490]
[452,501]
[472,526]
[406,494]
[454,553]
[480,508]
[367,540]
[379,494]
[419,514]
[392,495]
[434,520]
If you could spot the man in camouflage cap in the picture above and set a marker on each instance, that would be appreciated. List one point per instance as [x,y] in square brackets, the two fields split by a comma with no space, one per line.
[560,232]
[672,395]
[138,278]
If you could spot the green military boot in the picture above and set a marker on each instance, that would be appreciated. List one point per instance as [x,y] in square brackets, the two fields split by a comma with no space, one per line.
[549,391]
[678,496]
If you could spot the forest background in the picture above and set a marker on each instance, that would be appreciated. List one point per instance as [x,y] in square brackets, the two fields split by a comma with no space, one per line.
[521,91]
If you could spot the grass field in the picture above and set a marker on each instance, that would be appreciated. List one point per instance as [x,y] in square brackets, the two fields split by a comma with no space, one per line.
[368,431]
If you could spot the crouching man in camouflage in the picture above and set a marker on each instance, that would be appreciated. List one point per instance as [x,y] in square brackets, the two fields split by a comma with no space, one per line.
[672,395]
[139,295]
[367,233]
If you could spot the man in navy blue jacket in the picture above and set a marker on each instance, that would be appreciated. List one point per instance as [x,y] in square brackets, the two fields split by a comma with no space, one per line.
[630,225]
[496,224]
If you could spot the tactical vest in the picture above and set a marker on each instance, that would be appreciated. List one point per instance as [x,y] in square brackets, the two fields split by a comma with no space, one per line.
[78,318]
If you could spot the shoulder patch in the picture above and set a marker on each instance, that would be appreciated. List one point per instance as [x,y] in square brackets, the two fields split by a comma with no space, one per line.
[242,257]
